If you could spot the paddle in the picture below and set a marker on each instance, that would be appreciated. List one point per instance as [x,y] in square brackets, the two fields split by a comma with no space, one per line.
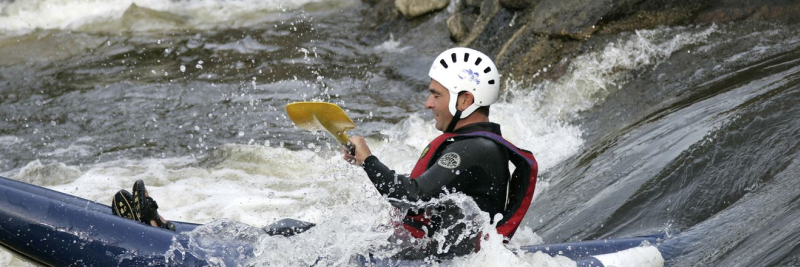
[316,116]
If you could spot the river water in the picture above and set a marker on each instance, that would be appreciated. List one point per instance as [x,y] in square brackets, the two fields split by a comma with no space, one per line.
[693,131]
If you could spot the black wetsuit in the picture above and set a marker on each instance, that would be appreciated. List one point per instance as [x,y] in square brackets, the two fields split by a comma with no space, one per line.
[482,172]
[477,167]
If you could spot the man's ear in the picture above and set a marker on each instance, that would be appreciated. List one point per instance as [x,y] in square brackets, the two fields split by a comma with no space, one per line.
[465,100]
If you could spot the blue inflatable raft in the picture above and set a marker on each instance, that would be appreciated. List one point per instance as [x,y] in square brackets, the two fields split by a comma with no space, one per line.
[51,228]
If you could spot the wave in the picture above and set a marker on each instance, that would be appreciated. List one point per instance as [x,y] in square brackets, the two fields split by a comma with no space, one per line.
[148,15]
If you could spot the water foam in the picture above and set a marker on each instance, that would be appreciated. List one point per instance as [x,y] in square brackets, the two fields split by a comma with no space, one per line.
[251,184]
[142,15]
[391,46]
[593,76]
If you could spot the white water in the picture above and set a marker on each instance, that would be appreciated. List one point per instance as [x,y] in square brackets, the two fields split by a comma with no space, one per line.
[257,185]
[144,15]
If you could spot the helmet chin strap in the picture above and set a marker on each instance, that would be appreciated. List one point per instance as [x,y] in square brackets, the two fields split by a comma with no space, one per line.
[453,122]
[459,114]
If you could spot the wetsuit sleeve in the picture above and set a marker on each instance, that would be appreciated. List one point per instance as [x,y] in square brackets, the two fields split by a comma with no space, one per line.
[382,177]
[454,161]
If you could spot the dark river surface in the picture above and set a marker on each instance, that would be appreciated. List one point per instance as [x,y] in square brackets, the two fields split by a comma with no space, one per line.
[693,131]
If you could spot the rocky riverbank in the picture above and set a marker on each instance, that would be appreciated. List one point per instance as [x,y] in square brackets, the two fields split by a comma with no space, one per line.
[532,38]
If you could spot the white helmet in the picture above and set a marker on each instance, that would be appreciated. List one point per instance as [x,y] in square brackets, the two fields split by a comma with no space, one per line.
[464,69]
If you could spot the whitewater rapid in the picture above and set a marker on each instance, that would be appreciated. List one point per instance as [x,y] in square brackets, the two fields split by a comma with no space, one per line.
[257,183]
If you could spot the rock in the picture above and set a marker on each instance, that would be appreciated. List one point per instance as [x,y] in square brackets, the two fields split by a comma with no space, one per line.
[498,31]
[457,29]
[473,3]
[415,8]
[529,57]
[516,4]
[787,12]
[579,19]
[474,27]
[570,18]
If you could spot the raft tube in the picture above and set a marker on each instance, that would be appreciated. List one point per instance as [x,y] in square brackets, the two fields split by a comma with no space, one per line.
[51,228]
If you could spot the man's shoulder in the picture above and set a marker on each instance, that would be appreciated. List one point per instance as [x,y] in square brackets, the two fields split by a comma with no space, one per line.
[473,143]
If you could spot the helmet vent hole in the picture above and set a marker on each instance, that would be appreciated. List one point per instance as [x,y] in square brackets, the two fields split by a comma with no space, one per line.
[453,57]
[444,64]
[478,61]
[487,70]
[491,81]
[466,57]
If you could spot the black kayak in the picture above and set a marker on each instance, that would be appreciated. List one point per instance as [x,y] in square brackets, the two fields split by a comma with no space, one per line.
[55,229]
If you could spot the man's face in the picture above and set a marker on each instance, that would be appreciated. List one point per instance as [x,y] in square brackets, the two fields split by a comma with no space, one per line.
[437,102]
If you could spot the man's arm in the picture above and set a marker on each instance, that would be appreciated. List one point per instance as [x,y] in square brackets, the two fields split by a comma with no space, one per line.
[454,162]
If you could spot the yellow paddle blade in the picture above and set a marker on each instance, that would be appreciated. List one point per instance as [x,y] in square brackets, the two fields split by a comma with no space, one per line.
[318,116]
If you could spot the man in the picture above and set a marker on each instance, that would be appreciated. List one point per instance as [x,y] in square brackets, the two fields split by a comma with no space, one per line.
[469,157]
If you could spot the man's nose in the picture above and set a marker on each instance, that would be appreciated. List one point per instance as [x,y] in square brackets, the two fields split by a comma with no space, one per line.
[429,102]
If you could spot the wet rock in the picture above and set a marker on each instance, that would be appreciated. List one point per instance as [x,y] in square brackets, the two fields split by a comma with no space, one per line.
[415,8]
[516,4]
[787,12]
[647,20]
[470,19]
[531,58]
[498,31]
[571,18]
[457,29]
[579,19]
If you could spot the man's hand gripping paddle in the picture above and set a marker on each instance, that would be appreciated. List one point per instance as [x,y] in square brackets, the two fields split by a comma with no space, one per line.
[316,116]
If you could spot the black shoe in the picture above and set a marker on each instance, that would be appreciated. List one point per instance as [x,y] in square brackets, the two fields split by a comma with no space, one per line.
[122,205]
[139,203]
[146,207]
